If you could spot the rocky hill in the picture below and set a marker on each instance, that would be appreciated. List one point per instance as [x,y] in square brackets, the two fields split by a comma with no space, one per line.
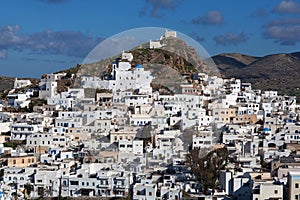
[166,64]
[175,54]
[272,72]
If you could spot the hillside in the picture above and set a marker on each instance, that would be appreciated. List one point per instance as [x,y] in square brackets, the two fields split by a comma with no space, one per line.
[6,83]
[175,54]
[233,60]
[272,72]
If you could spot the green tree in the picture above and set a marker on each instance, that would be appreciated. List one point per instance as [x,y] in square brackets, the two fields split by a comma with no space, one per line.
[207,169]
[145,134]
[28,188]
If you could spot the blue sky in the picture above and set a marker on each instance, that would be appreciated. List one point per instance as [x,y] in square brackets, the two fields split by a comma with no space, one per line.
[44,36]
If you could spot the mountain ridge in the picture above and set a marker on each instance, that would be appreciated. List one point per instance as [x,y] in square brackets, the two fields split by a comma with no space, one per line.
[271,72]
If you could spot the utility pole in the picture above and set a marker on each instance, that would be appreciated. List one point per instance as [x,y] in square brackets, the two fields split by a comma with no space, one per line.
[59,191]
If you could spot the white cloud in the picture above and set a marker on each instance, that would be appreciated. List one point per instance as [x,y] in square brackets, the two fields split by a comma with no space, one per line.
[287,7]
[156,7]
[284,31]
[210,18]
[69,43]
[230,39]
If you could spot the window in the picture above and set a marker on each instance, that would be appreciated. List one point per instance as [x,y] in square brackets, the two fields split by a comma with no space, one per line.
[275,191]
[296,185]
[150,193]
[296,197]
[74,182]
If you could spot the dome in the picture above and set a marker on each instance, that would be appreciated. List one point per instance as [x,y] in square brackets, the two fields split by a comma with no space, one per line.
[139,66]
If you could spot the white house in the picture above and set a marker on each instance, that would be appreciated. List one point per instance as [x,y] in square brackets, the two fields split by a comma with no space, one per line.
[127,56]
[263,189]
[19,99]
[135,146]
[144,191]
[203,139]
[155,44]
[39,139]
[19,83]
[169,34]
[20,131]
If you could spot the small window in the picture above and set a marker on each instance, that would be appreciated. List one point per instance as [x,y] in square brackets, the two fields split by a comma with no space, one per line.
[296,185]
